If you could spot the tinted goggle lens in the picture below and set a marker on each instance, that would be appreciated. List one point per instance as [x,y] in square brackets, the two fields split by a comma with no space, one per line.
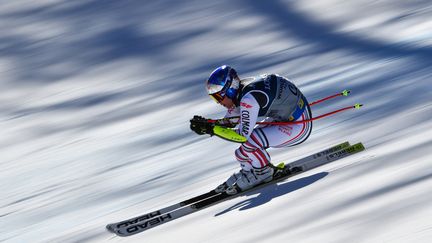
[217,97]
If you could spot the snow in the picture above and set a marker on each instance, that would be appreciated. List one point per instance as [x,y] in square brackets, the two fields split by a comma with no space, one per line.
[97,97]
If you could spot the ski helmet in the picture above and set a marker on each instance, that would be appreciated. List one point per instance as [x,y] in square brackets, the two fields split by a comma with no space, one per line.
[222,83]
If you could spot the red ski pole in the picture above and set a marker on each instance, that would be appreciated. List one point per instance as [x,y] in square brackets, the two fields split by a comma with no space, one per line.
[356,106]
[343,93]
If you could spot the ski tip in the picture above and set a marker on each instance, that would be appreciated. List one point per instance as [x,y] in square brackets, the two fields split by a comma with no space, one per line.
[358,106]
[110,228]
[346,92]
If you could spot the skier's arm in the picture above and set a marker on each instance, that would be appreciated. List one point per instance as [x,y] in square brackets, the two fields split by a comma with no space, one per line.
[231,118]
[201,126]
[249,110]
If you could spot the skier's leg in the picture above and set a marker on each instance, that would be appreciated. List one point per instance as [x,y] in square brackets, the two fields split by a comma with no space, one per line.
[246,166]
[254,160]
[287,135]
[262,138]
[254,150]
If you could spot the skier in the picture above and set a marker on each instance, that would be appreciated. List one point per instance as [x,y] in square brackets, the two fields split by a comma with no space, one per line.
[267,97]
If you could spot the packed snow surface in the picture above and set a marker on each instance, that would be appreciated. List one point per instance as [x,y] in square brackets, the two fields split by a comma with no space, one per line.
[97,96]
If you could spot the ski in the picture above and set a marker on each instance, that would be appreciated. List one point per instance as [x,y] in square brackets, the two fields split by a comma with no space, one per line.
[113,227]
[292,169]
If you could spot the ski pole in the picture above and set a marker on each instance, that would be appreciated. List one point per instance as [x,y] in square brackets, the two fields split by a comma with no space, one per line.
[343,93]
[356,106]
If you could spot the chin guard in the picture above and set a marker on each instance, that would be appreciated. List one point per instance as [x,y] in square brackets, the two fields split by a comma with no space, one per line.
[228,134]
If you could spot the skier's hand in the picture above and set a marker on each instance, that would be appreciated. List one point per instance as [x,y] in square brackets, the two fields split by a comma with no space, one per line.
[201,126]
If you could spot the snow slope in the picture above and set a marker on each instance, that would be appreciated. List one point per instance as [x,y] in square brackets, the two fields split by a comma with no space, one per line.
[97,97]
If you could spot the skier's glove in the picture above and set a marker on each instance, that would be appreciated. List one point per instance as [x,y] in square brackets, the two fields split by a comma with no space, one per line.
[201,126]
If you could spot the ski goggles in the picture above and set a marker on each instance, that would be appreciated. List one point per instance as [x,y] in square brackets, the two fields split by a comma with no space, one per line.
[219,96]
[219,89]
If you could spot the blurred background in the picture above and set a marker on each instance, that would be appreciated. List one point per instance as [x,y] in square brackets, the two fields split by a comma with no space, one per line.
[96,98]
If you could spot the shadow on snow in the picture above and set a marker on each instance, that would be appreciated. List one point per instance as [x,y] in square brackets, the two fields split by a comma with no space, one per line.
[273,191]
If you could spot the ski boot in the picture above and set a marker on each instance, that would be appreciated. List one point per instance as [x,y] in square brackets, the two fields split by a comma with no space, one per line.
[250,179]
[230,182]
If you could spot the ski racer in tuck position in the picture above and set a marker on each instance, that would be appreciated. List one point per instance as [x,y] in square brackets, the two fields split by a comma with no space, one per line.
[267,97]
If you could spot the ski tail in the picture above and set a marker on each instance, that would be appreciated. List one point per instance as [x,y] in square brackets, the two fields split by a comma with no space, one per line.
[320,154]
[330,157]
